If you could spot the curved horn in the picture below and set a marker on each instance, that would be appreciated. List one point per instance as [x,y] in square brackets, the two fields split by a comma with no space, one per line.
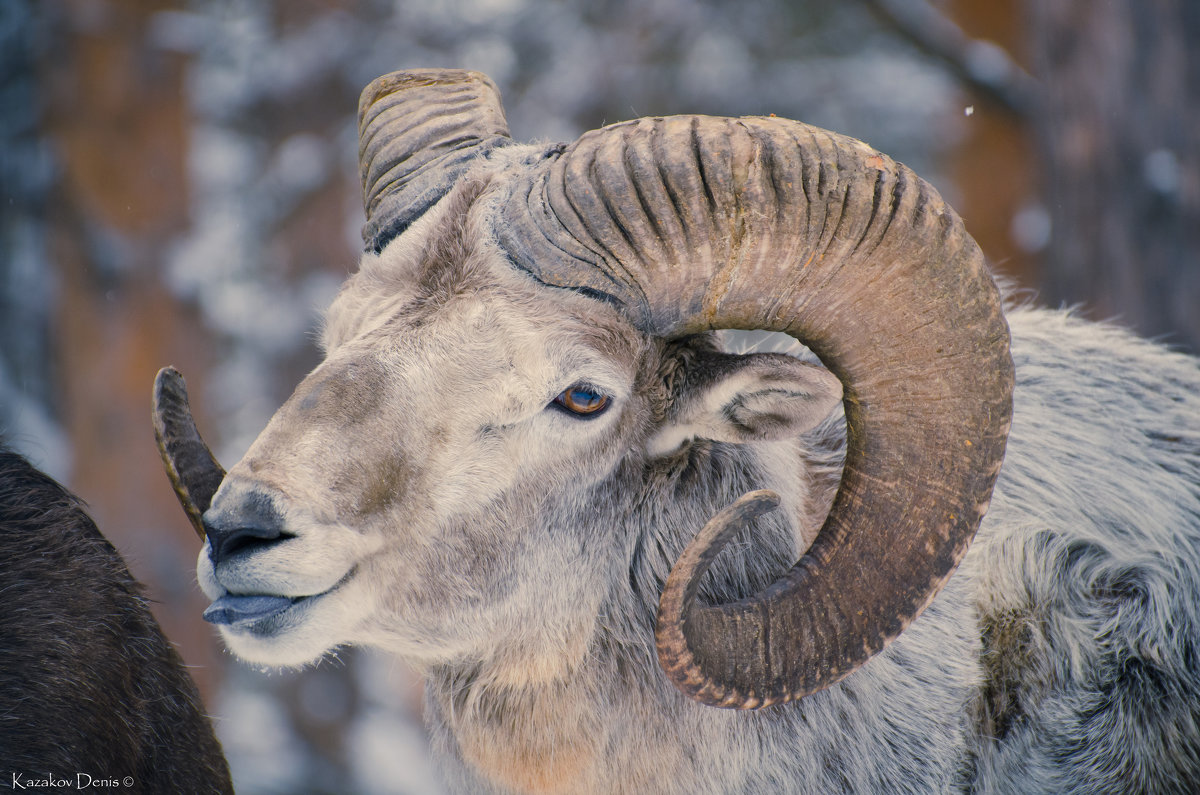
[418,131]
[194,473]
[697,223]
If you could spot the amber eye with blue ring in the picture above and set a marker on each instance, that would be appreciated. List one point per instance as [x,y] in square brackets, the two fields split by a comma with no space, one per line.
[582,400]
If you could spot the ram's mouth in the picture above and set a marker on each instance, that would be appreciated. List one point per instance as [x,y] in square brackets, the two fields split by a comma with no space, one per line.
[250,611]
[263,614]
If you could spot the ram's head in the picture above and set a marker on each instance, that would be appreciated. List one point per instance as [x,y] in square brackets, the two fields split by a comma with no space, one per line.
[496,371]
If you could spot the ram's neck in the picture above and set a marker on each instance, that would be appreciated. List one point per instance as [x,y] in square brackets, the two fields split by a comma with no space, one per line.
[604,718]
[609,721]
[600,730]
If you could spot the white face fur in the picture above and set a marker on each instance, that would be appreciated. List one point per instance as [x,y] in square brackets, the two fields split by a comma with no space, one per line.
[423,479]
[428,434]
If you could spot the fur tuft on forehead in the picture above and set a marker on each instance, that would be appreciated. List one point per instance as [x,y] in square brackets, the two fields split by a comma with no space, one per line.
[446,264]
[425,266]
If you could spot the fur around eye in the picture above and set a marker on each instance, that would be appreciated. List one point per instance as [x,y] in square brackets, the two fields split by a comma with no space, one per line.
[582,400]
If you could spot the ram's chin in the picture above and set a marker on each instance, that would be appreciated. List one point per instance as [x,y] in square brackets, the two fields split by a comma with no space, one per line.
[286,647]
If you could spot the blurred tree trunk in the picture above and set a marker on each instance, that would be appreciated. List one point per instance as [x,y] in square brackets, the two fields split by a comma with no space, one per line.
[1108,135]
[1118,130]
[993,166]
[116,119]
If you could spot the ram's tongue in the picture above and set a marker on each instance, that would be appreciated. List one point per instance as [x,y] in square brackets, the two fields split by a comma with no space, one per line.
[234,611]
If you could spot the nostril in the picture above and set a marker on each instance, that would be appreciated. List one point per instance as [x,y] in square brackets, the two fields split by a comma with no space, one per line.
[243,518]
[242,539]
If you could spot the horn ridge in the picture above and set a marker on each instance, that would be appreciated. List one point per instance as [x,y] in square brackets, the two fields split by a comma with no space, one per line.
[867,266]
[576,198]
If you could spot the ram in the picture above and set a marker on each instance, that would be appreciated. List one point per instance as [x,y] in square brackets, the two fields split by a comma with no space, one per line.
[92,695]
[525,415]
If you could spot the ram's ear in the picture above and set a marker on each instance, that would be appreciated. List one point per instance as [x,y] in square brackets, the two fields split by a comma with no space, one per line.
[752,398]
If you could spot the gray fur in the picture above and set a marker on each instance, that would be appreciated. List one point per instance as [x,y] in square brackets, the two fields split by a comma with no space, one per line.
[515,555]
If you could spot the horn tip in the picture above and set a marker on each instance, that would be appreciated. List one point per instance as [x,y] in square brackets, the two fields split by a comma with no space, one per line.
[168,379]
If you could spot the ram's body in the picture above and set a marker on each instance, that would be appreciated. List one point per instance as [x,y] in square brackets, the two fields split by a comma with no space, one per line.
[1086,572]
[92,695]
[426,492]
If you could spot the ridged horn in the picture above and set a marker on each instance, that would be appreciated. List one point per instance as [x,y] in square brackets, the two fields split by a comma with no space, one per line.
[696,223]
[193,471]
[418,131]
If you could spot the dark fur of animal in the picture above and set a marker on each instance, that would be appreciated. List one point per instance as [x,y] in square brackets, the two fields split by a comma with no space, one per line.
[89,686]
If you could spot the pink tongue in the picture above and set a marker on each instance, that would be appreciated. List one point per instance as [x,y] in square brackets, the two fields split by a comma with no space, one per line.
[233,610]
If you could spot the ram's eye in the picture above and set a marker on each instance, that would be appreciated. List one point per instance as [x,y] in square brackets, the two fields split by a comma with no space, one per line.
[582,400]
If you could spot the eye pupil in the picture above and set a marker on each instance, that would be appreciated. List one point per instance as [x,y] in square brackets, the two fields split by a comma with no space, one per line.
[582,400]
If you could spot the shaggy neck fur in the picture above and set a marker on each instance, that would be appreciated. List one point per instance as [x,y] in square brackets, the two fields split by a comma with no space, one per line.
[569,732]
[586,730]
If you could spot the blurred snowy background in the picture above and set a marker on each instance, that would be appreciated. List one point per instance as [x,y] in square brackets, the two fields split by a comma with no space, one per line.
[178,185]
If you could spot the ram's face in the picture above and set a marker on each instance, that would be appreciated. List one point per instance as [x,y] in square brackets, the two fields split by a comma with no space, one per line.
[404,496]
